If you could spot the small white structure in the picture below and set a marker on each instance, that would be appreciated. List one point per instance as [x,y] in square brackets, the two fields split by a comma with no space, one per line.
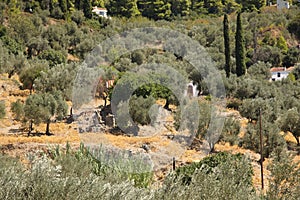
[279,73]
[282,5]
[192,90]
[100,11]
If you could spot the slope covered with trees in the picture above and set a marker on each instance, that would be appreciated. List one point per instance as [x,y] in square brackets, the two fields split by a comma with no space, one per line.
[44,43]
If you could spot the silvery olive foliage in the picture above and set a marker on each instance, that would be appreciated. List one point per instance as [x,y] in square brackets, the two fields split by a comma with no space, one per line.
[69,174]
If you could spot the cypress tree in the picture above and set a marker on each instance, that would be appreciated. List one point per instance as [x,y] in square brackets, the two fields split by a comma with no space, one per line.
[77,4]
[63,6]
[87,8]
[226,45]
[239,48]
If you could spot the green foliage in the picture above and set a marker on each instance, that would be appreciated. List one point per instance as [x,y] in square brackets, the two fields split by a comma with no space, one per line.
[24,28]
[294,26]
[180,7]
[246,88]
[139,109]
[124,8]
[271,138]
[59,78]
[270,54]
[138,57]
[260,71]
[30,74]
[206,178]
[2,109]
[204,117]
[251,5]
[17,109]
[53,57]
[292,57]
[234,103]
[231,6]
[58,178]
[230,131]
[281,44]
[12,45]
[63,6]
[227,45]
[78,17]
[251,108]
[87,8]
[205,112]
[285,181]
[290,121]
[157,9]
[296,72]
[240,48]
[42,107]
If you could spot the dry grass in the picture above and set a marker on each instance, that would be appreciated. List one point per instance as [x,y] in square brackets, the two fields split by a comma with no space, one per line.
[62,133]
[243,123]
[289,137]
[122,141]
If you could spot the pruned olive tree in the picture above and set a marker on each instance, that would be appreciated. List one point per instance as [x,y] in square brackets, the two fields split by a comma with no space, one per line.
[290,121]
[42,108]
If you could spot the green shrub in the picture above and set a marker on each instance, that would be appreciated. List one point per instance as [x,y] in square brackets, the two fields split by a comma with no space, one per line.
[285,181]
[230,131]
[2,109]
[271,138]
[234,103]
[67,178]
[18,109]
[139,109]
[219,176]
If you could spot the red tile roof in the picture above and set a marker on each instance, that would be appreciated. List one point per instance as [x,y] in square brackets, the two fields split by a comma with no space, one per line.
[281,69]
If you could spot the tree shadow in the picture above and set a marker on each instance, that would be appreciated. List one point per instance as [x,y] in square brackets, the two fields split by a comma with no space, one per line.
[15,130]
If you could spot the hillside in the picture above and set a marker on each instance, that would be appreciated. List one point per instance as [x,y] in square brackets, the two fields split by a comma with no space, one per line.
[165,100]
[15,142]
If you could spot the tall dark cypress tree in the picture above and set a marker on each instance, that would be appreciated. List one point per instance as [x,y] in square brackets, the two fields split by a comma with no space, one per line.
[63,6]
[77,4]
[226,45]
[239,48]
[87,8]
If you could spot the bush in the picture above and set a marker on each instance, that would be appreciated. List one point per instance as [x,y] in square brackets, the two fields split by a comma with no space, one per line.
[230,131]
[285,181]
[233,103]
[18,109]
[139,109]
[78,17]
[2,109]
[74,175]
[47,181]
[219,176]
[271,138]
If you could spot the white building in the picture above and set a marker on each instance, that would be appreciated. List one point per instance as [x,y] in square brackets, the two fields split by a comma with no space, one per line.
[100,11]
[279,73]
[282,5]
[192,90]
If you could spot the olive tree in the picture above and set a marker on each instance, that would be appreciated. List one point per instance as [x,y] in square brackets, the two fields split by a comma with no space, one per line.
[42,107]
[290,121]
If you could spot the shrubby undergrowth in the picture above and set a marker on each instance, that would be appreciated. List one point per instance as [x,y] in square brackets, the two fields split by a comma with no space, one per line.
[71,174]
